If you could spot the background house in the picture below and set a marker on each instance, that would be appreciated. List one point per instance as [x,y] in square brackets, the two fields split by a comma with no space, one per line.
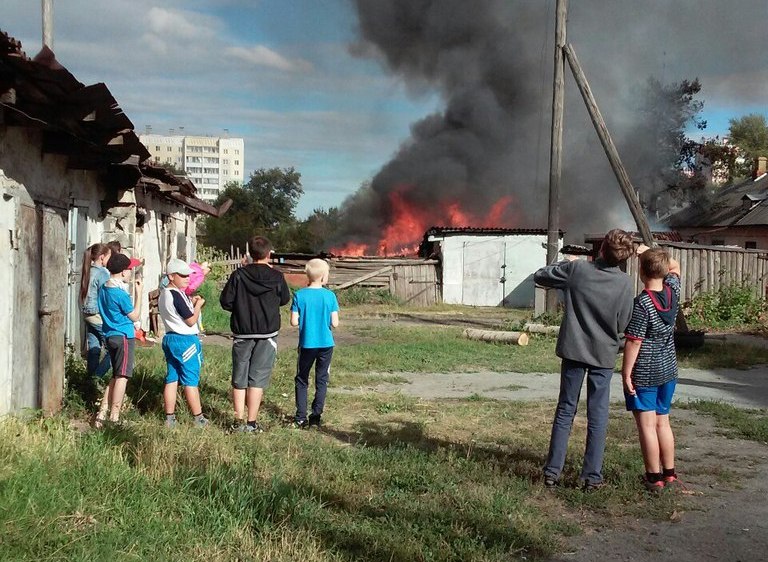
[487,266]
[736,215]
[71,174]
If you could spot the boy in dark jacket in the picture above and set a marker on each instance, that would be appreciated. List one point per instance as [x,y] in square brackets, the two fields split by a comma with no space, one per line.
[254,294]
[598,306]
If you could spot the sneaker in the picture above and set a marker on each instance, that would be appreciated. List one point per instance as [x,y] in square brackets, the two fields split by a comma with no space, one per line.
[673,483]
[314,421]
[201,422]
[253,429]
[590,487]
[301,424]
[170,423]
[236,428]
[653,487]
[550,482]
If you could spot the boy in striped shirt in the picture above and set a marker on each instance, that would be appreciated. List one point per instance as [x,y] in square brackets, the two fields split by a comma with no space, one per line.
[181,343]
[649,371]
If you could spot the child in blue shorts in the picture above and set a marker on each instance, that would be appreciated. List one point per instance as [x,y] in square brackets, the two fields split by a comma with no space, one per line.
[181,343]
[315,310]
[649,371]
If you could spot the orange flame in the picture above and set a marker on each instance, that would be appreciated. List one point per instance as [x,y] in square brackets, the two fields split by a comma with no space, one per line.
[403,235]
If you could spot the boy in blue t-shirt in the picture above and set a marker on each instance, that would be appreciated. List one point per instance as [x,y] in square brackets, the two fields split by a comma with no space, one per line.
[315,311]
[118,315]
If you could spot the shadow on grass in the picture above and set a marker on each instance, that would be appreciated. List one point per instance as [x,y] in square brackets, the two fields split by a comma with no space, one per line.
[522,462]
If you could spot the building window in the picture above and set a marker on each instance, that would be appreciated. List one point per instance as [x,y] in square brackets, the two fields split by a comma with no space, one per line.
[157,149]
[226,151]
[237,162]
[225,161]
[237,151]
[170,148]
[750,245]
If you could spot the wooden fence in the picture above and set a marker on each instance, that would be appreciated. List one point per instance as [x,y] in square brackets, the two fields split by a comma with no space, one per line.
[414,281]
[708,268]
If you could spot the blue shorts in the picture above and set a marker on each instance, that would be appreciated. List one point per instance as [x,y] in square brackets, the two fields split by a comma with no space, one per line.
[650,398]
[184,356]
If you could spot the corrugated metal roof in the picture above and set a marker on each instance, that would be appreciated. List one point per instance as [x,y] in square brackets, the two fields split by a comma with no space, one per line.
[443,230]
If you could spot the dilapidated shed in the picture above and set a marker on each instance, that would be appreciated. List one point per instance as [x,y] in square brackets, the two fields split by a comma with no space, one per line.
[71,174]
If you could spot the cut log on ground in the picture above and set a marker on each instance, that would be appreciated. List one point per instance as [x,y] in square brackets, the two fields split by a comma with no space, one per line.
[514,338]
[541,329]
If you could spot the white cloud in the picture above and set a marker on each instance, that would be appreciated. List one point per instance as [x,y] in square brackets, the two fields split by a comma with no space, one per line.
[259,55]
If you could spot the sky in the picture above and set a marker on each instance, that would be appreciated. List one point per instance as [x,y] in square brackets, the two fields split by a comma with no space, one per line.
[293,78]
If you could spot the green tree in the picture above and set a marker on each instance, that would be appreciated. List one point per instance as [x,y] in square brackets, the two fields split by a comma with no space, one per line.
[750,134]
[664,150]
[264,206]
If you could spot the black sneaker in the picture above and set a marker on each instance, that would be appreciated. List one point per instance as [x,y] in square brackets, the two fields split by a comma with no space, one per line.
[301,424]
[314,421]
[550,482]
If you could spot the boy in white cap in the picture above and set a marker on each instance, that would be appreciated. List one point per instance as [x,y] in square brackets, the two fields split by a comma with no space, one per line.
[181,344]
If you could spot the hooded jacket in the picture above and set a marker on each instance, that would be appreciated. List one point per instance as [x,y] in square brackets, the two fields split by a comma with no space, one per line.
[254,294]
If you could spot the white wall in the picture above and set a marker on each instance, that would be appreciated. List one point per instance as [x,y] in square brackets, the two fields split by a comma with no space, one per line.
[473,266]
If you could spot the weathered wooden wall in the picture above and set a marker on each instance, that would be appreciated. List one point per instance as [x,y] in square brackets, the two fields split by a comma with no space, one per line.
[708,268]
[414,281]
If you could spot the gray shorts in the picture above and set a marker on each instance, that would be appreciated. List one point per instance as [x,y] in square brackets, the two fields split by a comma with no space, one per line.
[121,353]
[252,362]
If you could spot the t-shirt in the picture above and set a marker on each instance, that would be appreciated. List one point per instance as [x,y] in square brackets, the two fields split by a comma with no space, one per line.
[653,323]
[315,306]
[175,307]
[115,306]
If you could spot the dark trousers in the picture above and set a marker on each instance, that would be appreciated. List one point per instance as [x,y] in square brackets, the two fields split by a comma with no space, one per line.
[321,357]
[598,395]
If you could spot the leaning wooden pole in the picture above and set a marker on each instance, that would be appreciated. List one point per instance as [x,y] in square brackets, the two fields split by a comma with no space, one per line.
[610,149]
[556,148]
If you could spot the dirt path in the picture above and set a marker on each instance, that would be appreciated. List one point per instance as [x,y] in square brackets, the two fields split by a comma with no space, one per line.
[726,522]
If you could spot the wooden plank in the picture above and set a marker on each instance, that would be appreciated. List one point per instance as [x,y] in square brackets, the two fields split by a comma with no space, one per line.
[740,268]
[684,270]
[362,278]
[53,297]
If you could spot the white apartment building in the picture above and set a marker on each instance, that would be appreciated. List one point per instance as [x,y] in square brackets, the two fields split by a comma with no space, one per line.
[210,162]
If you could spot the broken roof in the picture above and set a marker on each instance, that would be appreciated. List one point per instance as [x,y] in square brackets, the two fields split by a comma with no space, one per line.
[743,204]
[83,123]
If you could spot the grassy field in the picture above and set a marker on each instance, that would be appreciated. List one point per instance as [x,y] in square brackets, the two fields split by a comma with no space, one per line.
[388,478]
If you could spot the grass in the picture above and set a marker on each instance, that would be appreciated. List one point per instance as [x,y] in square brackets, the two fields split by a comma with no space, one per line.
[390,477]
[440,349]
[215,318]
[745,423]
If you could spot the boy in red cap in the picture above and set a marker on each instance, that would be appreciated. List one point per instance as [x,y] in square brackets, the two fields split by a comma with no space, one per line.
[118,315]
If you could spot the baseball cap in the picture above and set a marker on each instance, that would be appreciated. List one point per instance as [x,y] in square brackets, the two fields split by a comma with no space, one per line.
[120,262]
[134,263]
[178,266]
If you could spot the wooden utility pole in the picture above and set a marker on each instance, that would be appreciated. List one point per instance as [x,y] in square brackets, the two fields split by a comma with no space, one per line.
[48,24]
[610,149]
[556,151]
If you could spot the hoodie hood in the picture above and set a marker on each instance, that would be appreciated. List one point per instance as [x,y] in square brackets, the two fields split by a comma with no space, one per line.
[665,303]
[258,279]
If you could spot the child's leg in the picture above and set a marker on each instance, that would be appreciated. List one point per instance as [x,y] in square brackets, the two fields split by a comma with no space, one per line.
[322,374]
[253,401]
[122,369]
[169,397]
[666,441]
[118,393]
[238,402]
[649,442]
[301,381]
[192,395]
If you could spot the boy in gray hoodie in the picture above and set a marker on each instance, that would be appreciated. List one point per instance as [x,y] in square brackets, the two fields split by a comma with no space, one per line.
[598,305]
